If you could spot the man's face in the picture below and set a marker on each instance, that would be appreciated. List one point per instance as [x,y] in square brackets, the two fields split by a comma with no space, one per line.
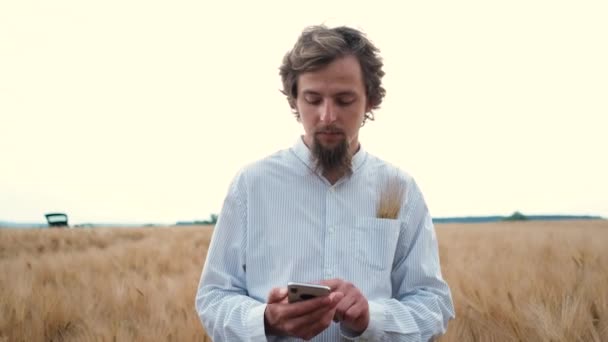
[332,103]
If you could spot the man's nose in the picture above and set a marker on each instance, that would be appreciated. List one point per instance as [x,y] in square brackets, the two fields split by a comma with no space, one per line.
[328,112]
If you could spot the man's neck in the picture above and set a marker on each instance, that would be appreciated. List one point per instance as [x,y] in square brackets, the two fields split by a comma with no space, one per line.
[333,176]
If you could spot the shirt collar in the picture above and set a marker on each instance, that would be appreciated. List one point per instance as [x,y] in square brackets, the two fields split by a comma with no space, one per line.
[303,153]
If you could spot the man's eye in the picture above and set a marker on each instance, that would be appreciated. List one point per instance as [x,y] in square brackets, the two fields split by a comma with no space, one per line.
[345,102]
[313,101]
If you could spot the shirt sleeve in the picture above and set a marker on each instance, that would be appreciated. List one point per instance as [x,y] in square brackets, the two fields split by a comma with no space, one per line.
[421,304]
[223,306]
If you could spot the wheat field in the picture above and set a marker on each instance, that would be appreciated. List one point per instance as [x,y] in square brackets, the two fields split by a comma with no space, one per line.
[511,281]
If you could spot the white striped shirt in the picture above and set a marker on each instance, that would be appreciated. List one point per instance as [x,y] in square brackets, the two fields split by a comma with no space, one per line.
[281,221]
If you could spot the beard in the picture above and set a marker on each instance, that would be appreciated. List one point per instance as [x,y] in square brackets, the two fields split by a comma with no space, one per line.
[331,159]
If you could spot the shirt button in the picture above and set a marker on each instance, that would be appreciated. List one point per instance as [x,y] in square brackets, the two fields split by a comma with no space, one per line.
[332,229]
[332,189]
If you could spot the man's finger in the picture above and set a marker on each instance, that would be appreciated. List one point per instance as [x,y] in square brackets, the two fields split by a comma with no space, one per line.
[320,323]
[276,295]
[343,306]
[332,283]
[307,306]
[312,323]
[354,312]
[336,297]
[304,307]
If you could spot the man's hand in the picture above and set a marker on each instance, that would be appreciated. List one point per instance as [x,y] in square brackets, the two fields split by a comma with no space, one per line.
[304,319]
[353,309]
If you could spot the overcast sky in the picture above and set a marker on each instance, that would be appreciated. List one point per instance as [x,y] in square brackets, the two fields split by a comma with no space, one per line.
[143,111]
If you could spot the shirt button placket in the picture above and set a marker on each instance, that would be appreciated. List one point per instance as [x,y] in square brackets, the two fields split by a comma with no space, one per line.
[330,236]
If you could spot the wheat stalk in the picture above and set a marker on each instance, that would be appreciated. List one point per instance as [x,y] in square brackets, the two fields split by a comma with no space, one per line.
[390,198]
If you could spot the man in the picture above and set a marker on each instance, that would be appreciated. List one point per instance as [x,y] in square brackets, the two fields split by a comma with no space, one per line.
[317,213]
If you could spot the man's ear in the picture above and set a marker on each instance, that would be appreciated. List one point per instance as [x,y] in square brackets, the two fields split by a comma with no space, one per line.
[294,109]
[292,103]
[369,105]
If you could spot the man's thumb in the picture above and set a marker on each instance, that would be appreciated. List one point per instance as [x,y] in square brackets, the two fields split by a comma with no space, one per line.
[277,294]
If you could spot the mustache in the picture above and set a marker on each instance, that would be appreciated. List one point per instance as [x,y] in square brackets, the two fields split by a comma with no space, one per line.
[329,129]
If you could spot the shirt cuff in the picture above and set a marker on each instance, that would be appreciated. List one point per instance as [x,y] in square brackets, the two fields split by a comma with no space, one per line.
[255,323]
[374,329]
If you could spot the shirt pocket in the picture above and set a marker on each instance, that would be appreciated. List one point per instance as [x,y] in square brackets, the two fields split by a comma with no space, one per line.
[375,240]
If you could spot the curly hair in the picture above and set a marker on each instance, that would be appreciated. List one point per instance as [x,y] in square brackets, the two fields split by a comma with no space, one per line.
[318,46]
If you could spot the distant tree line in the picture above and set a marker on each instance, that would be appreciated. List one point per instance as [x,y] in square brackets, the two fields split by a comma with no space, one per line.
[211,221]
[516,216]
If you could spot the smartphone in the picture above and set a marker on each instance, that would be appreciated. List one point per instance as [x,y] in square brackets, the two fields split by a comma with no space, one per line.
[297,292]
